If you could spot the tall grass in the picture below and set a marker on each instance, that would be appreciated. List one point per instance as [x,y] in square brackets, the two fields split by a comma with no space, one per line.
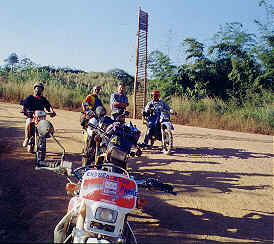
[63,90]
[215,113]
[67,90]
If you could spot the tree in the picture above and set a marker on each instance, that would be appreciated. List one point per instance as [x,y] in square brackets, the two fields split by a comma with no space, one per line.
[123,76]
[234,34]
[12,60]
[163,74]
[199,77]
[264,49]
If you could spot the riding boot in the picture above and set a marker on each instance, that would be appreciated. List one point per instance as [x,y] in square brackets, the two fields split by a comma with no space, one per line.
[27,136]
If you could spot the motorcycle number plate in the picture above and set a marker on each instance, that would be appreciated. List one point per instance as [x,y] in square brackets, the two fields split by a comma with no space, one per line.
[108,187]
[40,113]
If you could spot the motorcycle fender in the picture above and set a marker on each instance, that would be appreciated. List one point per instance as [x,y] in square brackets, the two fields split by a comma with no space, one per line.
[168,125]
[59,231]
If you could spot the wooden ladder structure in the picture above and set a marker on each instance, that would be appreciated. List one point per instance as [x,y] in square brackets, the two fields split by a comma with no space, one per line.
[140,82]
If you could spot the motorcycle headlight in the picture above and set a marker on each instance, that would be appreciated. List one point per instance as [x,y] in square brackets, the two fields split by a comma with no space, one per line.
[106,215]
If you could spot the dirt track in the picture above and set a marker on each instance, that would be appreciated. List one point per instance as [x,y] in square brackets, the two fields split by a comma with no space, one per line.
[224,182]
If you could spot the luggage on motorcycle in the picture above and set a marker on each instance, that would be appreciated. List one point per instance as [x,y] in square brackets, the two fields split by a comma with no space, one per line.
[116,153]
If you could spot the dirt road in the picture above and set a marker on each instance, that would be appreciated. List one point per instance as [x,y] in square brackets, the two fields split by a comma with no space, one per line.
[224,182]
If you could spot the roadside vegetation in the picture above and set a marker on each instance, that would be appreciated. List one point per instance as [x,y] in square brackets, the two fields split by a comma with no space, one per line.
[227,85]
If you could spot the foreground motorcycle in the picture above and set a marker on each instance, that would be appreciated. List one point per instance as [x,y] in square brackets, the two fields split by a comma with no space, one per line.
[159,121]
[39,130]
[102,199]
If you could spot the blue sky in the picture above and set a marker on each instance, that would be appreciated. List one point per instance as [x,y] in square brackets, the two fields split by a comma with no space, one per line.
[101,35]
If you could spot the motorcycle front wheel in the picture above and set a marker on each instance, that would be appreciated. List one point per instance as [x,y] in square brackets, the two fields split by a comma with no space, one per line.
[168,142]
[87,153]
[30,146]
[41,145]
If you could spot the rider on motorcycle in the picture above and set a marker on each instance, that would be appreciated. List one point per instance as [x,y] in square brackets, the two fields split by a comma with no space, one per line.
[90,103]
[156,105]
[32,103]
[118,101]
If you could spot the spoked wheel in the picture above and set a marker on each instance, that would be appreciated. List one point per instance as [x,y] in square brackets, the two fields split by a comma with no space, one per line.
[87,153]
[129,235]
[152,142]
[168,142]
[30,146]
[68,233]
[41,145]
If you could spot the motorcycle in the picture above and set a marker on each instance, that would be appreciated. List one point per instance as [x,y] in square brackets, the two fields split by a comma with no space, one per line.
[102,200]
[91,146]
[39,130]
[114,138]
[159,120]
[116,144]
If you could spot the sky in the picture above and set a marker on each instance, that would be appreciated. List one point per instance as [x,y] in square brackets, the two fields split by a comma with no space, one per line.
[101,35]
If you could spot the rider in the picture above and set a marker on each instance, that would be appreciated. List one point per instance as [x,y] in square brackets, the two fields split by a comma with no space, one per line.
[157,105]
[35,102]
[91,102]
[118,101]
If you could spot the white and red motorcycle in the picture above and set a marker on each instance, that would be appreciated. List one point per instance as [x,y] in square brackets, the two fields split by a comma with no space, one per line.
[39,130]
[102,199]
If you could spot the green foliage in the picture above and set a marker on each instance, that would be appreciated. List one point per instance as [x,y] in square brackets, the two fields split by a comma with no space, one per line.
[63,88]
[163,73]
[121,76]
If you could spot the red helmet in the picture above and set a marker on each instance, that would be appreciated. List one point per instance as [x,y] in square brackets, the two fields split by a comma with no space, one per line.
[155,93]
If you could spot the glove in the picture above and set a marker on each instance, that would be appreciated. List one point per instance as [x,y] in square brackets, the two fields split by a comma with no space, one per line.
[53,114]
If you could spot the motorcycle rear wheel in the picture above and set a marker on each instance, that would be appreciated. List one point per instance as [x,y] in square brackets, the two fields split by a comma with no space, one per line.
[168,142]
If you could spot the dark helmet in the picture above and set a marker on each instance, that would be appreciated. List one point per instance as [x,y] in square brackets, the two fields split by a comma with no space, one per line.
[38,85]
[100,111]
[156,94]
[97,88]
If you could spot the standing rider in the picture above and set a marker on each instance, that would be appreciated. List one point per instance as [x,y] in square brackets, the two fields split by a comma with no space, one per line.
[156,105]
[91,102]
[118,101]
[32,103]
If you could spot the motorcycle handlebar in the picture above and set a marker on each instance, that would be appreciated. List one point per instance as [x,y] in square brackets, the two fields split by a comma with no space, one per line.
[30,112]
[149,183]
[152,184]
